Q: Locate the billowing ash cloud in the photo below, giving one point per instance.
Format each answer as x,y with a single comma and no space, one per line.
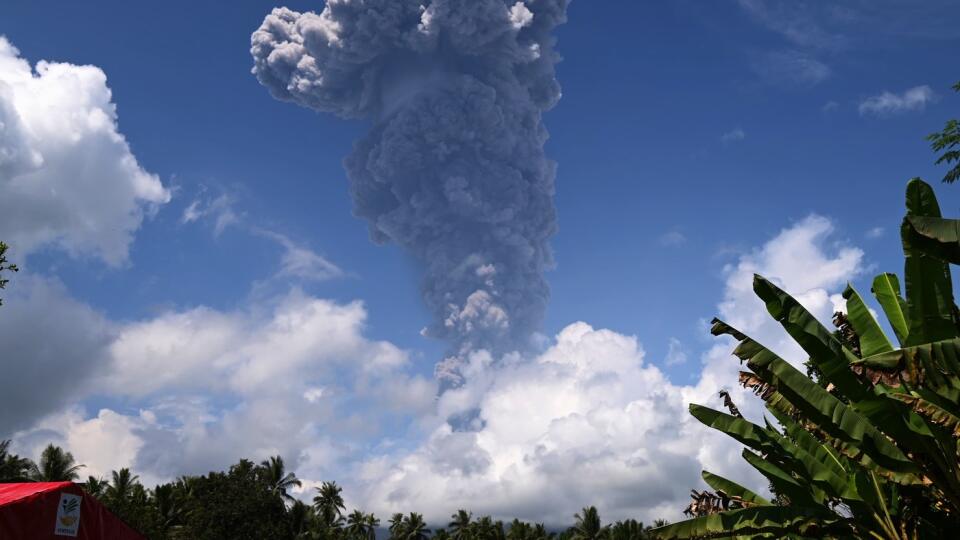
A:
453,168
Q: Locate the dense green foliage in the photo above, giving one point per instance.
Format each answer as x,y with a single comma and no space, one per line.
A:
239,503
868,447
948,142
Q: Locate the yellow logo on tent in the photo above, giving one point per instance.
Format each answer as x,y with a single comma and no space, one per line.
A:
68,515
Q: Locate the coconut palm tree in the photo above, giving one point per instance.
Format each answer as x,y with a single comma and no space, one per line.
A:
414,528
121,486
372,523
357,525
278,478
55,466
13,468
587,526
441,534
540,532
302,518
329,504
483,529
519,530
243,467
95,486
170,508
138,494
460,525
396,526
498,531
630,529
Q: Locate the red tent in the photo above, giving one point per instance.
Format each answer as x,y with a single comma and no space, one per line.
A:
55,510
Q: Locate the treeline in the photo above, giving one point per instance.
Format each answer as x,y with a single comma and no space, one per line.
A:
253,501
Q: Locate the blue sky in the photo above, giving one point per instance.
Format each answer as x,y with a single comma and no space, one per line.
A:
690,135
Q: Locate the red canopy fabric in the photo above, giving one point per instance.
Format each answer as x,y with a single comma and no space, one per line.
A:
57,510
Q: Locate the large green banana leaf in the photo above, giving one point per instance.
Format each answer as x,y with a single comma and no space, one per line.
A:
929,288
872,339
834,361
936,236
830,356
821,407
812,448
784,483
886,289
780,521
733,489
932,412
747,433
933,365
836,484
819,468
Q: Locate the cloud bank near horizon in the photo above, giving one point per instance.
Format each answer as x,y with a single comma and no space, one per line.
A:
590,420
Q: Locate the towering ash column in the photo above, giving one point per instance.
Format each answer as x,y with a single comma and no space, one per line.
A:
453,168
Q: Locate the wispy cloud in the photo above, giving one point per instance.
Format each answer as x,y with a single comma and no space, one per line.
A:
297,261
888,103
791,67
875,232
830,106
844,24
219,209
801,24
673,238
810,33
733,135
301,262
823,31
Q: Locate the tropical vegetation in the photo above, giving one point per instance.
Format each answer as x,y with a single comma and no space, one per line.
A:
948,142
865,444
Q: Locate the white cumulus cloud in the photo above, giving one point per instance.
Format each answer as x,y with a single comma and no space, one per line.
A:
67,175
213,386
588,421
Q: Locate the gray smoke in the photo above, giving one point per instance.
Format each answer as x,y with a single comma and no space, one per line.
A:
453,168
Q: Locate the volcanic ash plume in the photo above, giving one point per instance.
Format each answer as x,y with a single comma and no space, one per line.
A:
453,168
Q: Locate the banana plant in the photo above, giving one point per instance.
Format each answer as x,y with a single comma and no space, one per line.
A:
870,448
